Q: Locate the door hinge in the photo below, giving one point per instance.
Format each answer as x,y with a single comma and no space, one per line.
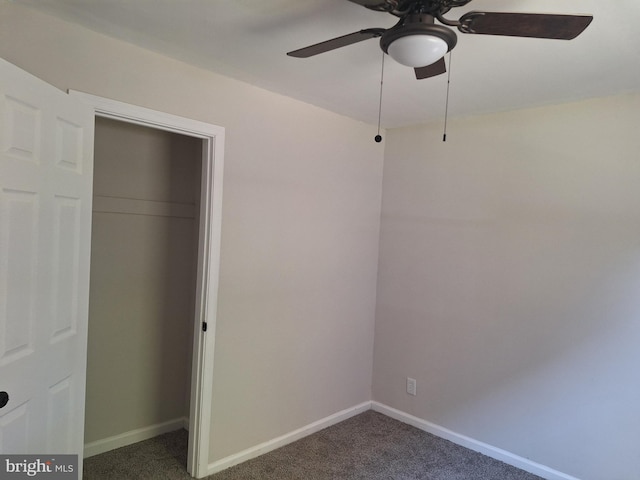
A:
204,326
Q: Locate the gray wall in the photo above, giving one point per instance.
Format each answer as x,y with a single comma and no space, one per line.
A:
508,282
142,278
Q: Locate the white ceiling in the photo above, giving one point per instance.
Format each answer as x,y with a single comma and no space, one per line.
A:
248,39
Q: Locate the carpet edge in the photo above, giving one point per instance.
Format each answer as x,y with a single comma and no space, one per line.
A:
133,436
472,444
287,438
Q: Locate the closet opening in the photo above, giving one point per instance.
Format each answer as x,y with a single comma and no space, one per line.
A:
144,266
204,210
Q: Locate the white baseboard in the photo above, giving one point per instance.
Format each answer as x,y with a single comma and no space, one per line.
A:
286,439
488,450
133,436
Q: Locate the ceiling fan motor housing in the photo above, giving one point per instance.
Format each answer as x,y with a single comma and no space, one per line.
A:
419,26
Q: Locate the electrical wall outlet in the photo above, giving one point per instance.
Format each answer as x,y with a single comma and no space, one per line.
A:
412,386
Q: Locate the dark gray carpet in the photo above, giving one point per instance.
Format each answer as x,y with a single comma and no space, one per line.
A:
163,457
369,446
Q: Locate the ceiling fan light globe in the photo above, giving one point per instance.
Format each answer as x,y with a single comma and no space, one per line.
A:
417,50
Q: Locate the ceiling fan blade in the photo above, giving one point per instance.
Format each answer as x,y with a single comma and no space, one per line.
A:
536,25
432,70
338,42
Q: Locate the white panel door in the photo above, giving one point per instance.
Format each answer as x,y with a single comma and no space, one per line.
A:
46,176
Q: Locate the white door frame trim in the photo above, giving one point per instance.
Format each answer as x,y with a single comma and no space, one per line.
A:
208,258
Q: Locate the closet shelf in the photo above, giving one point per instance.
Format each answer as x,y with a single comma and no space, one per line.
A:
131,206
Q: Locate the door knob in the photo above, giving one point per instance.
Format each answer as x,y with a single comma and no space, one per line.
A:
4,399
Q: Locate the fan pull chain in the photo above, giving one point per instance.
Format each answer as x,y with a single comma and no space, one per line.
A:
446,108
378,138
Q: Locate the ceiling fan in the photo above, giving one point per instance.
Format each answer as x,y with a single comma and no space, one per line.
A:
417,41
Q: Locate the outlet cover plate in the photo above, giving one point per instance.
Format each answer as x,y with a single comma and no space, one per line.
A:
412,386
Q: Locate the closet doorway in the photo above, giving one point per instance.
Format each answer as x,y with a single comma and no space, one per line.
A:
142,291
154,266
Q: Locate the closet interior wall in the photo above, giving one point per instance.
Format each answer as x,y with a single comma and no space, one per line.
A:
144,251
